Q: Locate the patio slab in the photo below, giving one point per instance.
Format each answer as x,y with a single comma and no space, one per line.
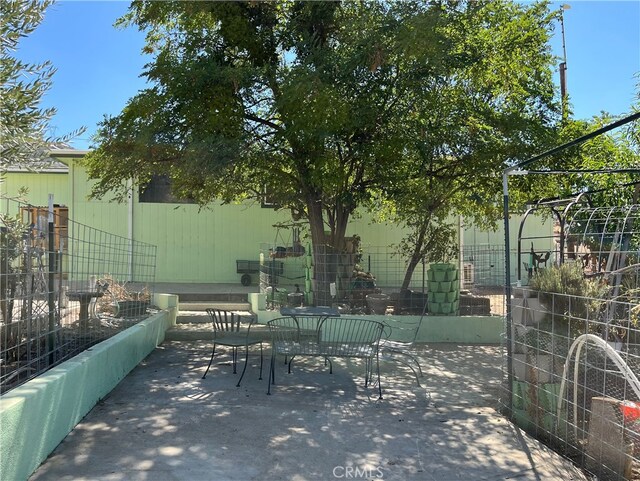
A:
163,422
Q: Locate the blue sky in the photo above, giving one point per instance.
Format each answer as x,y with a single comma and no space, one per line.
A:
99,66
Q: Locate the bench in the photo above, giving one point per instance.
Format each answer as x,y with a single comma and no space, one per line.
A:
328,337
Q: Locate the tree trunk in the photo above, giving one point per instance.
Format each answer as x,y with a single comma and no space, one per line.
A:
416,257
411,267
318,244
325,249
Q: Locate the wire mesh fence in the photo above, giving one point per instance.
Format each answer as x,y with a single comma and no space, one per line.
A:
573,367
64,287
362,279
574,350
483,275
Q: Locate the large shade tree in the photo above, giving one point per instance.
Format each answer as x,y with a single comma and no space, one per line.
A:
320,103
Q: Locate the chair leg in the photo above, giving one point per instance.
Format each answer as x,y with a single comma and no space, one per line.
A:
246,361
213,353
272,377
272,372
379,383
399,356
234,357
367,372
260,378
290,361
415,359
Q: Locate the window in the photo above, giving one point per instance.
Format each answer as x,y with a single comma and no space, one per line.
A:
159,191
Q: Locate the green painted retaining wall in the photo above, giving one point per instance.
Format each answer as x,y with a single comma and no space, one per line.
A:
454,329
36,417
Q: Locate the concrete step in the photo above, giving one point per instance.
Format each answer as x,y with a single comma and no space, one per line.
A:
213,297
192,317
201,317
202,306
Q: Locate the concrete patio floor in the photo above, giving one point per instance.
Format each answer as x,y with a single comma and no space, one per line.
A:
163,422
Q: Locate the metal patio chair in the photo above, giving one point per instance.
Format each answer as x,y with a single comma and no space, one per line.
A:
399,343
229,330
331,337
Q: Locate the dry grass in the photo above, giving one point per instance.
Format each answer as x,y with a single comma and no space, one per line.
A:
118,292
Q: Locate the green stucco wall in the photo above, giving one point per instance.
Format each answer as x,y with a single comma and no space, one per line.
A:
36,416
440,329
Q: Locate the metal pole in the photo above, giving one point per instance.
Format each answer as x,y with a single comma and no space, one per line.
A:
130,224
517,169
563,64
51,285
509,320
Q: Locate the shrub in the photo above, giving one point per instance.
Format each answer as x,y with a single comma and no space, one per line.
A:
565,291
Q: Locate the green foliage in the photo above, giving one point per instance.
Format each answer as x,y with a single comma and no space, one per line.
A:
467,123
578,295
617,149
324,102
11,232
23,139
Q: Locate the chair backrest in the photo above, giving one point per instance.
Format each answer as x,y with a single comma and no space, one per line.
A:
284,329
226,321
345,333
402,329
308,323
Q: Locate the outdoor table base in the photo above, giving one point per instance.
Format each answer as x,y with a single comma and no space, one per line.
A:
84,298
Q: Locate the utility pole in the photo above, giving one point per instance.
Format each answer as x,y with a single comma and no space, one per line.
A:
563,64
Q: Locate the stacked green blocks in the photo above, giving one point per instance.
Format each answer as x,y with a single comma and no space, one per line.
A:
444,289
308,275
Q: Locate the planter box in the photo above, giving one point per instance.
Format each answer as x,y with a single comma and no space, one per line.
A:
377,303
437,276
437,297
451,276
446,308
528,311
132,308
442,272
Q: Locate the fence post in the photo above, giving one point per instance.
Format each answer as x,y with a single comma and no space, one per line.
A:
507,288
51,285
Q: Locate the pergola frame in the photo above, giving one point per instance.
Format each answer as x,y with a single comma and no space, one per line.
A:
519,169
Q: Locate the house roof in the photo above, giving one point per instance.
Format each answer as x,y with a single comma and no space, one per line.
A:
54,164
